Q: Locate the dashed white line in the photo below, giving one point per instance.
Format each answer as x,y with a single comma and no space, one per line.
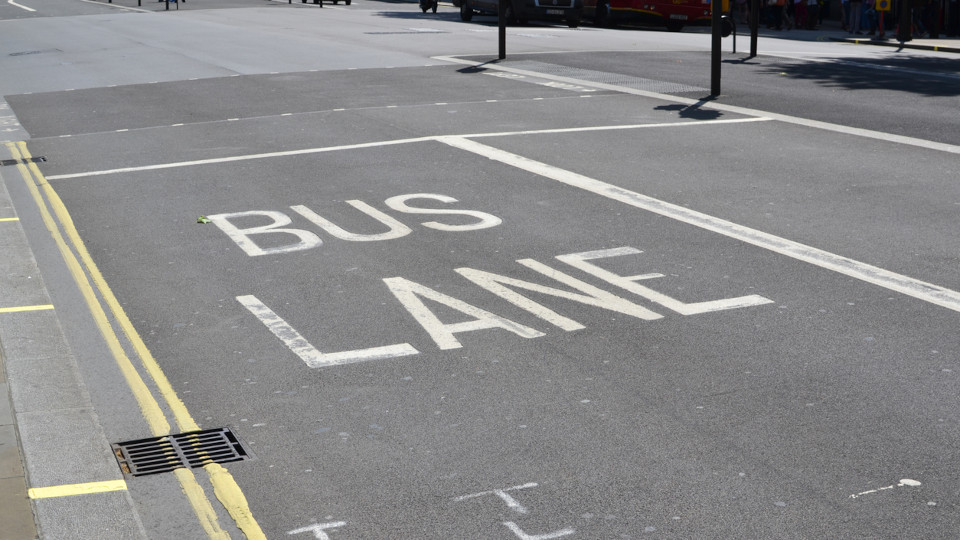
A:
375,144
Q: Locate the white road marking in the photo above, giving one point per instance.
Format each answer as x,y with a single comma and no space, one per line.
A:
310,355
903,482
515,529
927,292
579,260
318,529
590,295
238,158
711,105
14,4
376,144
512,503
409,294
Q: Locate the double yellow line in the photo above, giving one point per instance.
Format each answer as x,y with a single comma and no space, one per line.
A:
84,270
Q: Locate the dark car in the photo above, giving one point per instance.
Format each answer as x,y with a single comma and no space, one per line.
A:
522,11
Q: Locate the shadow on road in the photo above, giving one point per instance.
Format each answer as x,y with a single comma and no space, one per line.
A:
417,15
933,77
692,112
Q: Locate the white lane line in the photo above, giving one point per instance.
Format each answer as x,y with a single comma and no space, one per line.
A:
304,151
239,158
586,129
307,352
712,105
927,292
14,4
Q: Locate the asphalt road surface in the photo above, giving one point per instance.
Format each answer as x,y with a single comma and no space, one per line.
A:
434,295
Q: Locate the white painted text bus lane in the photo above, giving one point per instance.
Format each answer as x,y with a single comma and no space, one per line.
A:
417,298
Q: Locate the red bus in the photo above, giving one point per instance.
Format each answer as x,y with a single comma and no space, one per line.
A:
673,14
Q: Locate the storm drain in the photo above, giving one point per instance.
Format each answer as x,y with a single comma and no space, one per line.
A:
616,79
192,450
8,162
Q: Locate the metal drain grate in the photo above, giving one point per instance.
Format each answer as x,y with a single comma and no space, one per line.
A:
193,449
8,162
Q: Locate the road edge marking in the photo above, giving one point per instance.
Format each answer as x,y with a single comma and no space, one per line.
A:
225,487
149,407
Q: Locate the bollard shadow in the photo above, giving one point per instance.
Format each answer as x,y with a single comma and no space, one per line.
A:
469,70
693,112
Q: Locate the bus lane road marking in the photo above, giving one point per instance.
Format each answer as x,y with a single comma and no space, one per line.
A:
413,296
921,290
410,293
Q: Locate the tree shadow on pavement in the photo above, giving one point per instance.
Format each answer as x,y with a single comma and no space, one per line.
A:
932,77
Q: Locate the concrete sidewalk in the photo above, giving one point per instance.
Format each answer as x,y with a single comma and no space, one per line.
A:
950,45
16,515
831,30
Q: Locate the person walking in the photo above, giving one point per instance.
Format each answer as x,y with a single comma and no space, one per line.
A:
856,6
813,14
800,14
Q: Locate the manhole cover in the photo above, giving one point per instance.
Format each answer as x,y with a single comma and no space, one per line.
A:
193,449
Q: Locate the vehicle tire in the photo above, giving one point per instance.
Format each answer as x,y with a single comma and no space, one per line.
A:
466,12
674,26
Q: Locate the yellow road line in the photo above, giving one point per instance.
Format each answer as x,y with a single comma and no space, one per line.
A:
9,219
25,308
224,486
76,489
